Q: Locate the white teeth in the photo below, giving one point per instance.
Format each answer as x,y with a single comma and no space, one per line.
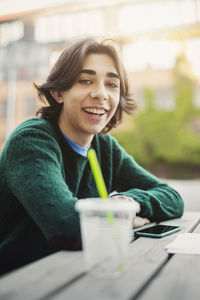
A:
95,111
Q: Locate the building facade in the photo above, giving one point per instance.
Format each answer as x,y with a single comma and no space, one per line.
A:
150,33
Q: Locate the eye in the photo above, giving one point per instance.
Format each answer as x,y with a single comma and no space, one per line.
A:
113,85
85,81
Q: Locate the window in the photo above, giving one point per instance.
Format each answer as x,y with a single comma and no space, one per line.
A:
11,31
146,16
62,27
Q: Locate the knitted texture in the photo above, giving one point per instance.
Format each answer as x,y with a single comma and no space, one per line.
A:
42,177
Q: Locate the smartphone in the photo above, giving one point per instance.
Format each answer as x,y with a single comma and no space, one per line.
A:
157,231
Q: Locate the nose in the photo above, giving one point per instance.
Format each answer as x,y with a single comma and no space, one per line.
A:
99,93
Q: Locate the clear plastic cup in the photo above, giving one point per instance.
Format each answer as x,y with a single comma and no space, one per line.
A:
106,229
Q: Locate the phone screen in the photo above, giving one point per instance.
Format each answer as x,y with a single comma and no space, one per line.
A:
158,230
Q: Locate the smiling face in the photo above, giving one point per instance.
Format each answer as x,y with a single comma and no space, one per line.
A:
92,100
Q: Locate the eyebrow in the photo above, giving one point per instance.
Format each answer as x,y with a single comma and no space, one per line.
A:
92,72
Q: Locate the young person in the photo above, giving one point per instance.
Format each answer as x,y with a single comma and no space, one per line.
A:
44,168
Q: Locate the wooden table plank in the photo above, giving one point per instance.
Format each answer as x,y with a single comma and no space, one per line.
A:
178,280
147,256
62,275
43,277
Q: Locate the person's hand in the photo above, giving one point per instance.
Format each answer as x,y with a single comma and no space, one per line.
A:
122,197
138,221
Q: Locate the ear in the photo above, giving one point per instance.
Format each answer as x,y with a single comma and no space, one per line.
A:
57,95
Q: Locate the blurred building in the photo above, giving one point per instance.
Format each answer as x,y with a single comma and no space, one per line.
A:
150,32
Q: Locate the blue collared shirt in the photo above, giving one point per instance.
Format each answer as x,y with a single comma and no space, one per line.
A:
80,150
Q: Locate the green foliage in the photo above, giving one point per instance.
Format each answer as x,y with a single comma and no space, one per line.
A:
165,138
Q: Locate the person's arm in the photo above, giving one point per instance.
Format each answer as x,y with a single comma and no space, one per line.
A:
157,200
137,221
35,176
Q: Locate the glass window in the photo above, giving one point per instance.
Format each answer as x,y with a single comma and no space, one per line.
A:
62,27
11,31
150,15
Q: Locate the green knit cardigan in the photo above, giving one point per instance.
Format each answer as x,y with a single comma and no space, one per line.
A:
42,177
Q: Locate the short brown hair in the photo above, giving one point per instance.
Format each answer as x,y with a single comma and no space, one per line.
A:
65,72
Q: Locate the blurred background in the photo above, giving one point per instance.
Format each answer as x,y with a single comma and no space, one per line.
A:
160,44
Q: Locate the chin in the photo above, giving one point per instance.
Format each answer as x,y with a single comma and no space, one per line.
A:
97,130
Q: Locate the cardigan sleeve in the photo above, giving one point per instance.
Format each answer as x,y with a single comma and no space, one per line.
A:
158,201
35,176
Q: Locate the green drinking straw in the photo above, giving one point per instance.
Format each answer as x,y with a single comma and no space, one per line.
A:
101,187
96,171
98,177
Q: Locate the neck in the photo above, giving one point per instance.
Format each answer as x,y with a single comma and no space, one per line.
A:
81,140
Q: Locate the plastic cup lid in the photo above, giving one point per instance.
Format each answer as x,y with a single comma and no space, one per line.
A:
93,204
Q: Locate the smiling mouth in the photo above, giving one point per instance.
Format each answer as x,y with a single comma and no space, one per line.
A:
95,111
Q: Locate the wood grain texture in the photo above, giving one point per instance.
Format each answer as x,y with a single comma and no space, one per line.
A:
43,277
147,256
62,275
179,279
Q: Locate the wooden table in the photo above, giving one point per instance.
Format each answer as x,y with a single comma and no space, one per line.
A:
152,274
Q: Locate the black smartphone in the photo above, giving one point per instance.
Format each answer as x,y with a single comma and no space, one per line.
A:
157,231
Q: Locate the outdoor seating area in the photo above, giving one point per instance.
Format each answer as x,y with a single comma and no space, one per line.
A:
100,150
152,273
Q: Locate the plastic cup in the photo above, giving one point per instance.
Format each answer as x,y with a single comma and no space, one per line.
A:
106,229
